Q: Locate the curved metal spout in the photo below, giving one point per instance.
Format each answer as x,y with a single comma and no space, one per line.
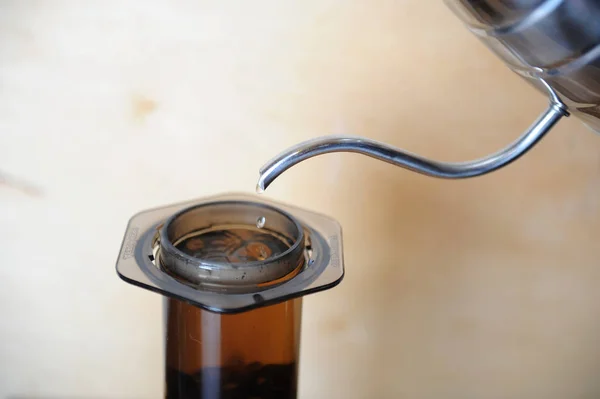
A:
395,156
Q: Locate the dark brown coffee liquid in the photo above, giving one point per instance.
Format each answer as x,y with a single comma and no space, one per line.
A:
247,355
251,355
236,245
253,381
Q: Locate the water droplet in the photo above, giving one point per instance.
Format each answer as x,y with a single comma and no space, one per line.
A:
260,222
259,188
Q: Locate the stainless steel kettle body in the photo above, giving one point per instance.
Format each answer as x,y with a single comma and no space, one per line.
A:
553,44
554,40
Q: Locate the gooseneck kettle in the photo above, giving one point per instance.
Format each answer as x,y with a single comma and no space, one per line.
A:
553,44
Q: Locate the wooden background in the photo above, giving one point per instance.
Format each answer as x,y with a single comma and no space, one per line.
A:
485,288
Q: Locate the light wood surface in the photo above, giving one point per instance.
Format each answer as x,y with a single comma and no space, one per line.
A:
486,288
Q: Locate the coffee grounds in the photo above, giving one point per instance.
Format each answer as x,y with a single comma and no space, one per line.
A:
253,381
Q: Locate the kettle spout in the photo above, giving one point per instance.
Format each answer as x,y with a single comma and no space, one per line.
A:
395,156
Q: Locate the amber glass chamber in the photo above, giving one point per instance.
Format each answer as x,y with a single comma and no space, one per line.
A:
249,355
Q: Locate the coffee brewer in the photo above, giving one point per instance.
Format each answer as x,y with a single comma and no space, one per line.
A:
233,270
